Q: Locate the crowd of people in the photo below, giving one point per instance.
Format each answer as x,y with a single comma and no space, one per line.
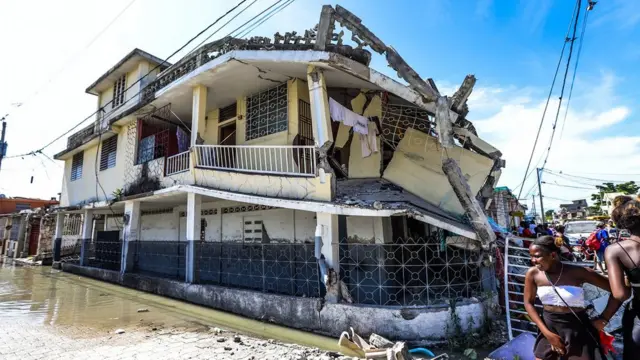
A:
566,331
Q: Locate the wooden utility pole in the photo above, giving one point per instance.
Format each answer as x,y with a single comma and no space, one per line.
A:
538,170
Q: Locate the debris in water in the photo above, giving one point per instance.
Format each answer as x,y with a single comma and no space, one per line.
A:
217,330
237,339
228,348
143,310
222,339
119,331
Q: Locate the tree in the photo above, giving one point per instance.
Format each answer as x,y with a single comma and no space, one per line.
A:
548,214
627,188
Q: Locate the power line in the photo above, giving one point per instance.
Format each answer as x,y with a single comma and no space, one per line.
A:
70,59
589,178
130,86
575,68
265,18
535,143
570,186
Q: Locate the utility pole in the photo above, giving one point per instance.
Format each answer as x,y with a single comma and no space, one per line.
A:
540,193
3,145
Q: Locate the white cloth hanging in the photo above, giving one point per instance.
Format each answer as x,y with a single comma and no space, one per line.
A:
341,114
369,142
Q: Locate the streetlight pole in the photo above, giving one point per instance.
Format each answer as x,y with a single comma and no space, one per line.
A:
540,193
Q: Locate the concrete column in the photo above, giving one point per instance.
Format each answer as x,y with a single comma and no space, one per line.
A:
194,214
85,236
57,242
328,223
320,118
131,234
198,114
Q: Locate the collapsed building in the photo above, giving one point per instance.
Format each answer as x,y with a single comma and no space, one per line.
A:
284,179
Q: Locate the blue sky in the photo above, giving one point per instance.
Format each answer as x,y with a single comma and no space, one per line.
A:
511,46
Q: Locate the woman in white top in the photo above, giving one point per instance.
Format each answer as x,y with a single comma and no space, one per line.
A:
565,329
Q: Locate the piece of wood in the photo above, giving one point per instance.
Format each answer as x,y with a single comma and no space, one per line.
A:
469,203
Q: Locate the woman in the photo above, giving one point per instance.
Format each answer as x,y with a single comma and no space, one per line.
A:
622,259
565,329
562,242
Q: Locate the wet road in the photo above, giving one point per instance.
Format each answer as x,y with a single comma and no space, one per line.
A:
48,314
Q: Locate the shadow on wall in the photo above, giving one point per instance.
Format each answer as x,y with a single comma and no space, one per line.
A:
143,183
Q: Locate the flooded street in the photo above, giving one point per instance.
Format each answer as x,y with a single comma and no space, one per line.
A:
48,314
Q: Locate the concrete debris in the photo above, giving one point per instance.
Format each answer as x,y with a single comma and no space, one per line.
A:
237,339
377,348
143,310
119,331
221,339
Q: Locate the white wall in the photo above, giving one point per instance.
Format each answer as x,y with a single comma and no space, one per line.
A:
365,229
282,225
84,189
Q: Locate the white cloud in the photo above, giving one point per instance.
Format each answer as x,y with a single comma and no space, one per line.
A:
512,120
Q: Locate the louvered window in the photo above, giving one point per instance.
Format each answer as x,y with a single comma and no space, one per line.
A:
76,166
108,153
119,90
228,112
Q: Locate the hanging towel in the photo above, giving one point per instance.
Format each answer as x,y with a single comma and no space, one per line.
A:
341,114
183,140
369,142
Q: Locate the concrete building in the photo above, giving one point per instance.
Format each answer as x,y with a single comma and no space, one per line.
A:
607,202
280,179
578,209
505,208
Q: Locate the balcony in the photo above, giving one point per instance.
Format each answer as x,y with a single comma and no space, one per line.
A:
178,163
81,136
272,160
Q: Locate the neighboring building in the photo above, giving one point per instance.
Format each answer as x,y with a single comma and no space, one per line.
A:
228,171
505,208
16,204
578,209
607,202
29,233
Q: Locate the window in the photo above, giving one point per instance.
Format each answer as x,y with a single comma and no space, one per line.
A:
252,228
108,153
154,141
228,112
119,90
267,112
76,166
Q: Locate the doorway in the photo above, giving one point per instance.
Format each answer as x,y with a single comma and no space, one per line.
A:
226,157
34,234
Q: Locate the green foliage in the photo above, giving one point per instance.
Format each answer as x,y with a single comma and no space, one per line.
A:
627,188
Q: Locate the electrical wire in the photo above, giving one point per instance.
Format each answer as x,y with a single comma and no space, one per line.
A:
569,186
575,68
70,59
265,18
130,86
564,45
594,179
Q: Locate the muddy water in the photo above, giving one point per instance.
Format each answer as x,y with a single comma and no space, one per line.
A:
47,297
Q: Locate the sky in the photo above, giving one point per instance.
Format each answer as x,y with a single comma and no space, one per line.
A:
48,58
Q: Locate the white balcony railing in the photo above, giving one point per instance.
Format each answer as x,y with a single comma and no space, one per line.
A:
178,163
279,160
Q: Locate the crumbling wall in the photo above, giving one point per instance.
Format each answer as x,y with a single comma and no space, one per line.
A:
47,232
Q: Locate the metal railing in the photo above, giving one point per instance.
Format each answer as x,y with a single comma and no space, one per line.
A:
419,273
159,258
177,163
275,159
289,269
103,254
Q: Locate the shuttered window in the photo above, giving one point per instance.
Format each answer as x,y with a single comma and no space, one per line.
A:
228,112
119,90
76,166
108,153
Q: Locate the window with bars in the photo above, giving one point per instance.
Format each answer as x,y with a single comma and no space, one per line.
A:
76,166
267,112
228,112
108,153
118,91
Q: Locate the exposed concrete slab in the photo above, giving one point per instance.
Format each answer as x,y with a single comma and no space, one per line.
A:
310,314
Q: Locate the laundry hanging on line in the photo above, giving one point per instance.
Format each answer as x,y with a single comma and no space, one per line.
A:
183,140
341,114
369,142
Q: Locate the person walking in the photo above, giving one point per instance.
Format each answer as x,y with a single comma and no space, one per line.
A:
566,332
602,235
623,263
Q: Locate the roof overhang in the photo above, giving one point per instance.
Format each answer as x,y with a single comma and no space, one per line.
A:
89,142
127,64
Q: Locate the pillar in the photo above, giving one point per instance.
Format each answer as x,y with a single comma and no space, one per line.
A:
57,242
198,114
131,234
320,117
194,213
85,236
328,223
